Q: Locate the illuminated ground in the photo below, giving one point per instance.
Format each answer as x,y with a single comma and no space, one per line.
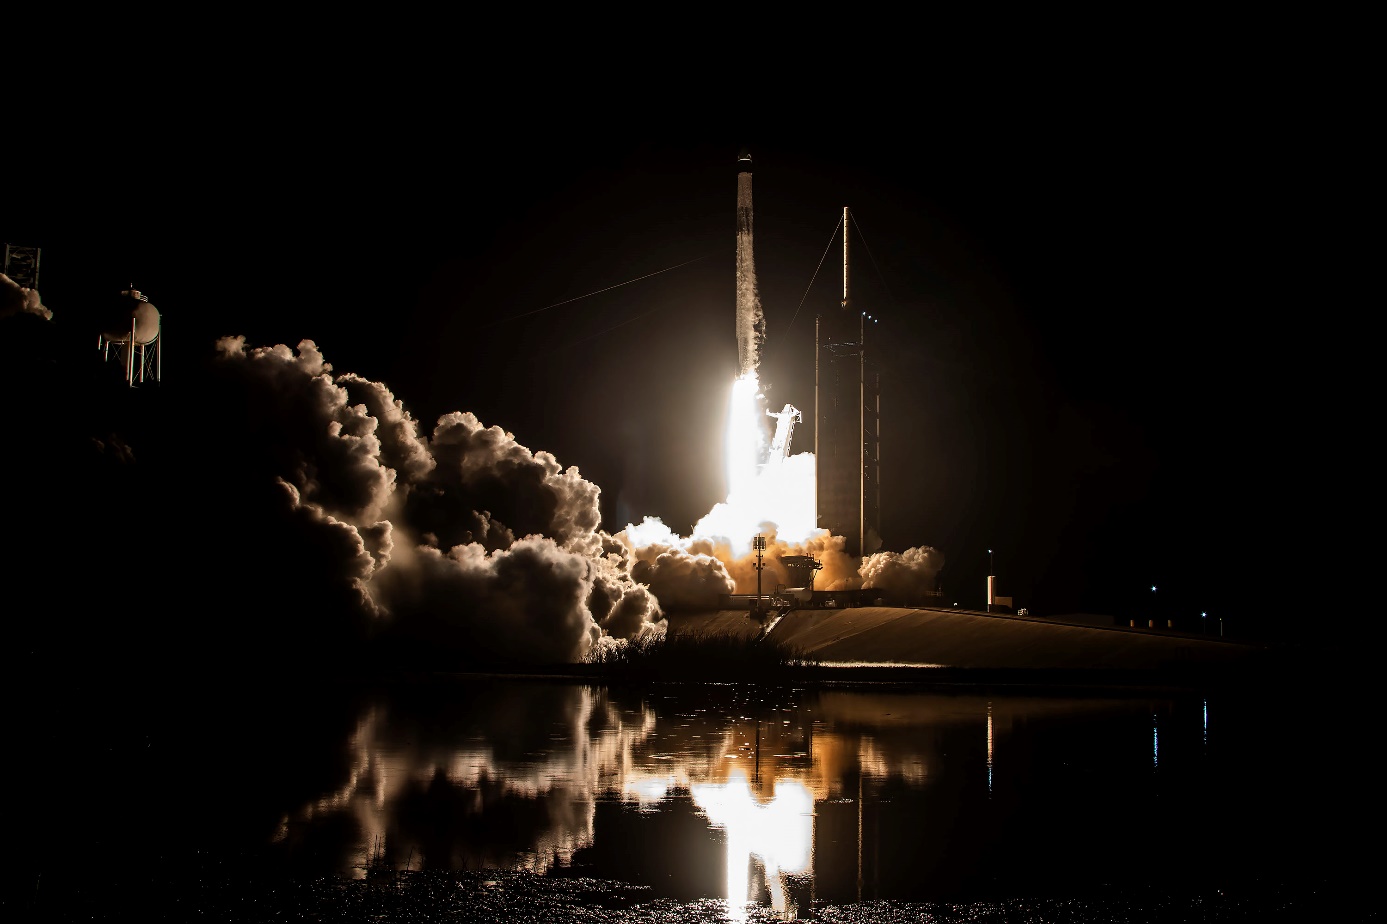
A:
964,639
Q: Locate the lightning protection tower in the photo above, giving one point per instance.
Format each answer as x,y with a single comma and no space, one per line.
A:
847,423
22,265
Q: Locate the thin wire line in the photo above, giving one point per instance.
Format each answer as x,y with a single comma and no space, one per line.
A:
892,295
605,330
831,238
566,301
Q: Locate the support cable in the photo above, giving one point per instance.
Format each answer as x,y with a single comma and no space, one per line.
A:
605,330
526,314
877,266
831,238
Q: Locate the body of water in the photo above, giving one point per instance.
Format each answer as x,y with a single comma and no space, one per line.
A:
707,802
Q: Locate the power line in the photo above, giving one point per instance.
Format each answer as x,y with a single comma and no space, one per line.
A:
876,265
526,314
604,330
831,238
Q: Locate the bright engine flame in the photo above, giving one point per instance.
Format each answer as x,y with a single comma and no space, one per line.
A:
762,497
766,497
745,438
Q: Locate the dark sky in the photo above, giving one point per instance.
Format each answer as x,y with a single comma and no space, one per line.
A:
1080,364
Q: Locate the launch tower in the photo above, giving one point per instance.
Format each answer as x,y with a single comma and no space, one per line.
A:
847,424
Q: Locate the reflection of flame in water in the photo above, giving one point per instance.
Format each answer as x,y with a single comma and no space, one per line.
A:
518,772
989,747
874,762
779,833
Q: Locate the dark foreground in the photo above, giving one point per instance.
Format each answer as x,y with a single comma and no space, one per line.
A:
155,798
491,896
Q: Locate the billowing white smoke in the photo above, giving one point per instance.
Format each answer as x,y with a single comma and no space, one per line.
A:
17,299
680,577
903,577
463,539
774,499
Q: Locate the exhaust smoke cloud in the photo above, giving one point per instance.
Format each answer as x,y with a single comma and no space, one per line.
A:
17,299
472,535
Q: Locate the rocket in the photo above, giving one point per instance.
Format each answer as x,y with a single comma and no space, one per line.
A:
751,322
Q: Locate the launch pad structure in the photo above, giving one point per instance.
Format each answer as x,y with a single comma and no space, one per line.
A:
847,393
847,423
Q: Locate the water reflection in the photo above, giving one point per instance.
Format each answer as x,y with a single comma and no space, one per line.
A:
746,795
508,780
778,833
1155,743
989,748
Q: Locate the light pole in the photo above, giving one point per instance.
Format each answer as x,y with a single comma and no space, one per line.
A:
991,581
1204,623
759,544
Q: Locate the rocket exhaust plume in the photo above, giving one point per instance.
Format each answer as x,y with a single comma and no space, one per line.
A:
751,322
744,437
768,494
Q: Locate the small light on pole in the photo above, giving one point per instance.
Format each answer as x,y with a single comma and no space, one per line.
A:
1204,623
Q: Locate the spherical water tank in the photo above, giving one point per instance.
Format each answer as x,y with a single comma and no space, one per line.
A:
117,315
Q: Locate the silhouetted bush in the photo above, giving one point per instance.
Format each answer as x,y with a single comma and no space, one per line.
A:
699,657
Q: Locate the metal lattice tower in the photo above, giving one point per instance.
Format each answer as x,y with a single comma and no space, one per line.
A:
847,424
22,265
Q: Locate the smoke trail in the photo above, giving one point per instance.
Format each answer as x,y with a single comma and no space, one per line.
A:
751,322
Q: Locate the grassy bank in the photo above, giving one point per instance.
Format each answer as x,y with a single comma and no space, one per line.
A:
700,657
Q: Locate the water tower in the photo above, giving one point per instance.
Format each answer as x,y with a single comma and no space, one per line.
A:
131,336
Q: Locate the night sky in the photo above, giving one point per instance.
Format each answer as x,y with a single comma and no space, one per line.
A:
1092,362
